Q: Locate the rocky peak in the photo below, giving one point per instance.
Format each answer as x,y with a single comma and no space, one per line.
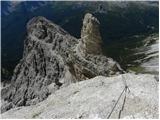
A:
90,35
53,58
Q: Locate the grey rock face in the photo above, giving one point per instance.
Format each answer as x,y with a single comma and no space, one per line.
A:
126,96
90,35
52,58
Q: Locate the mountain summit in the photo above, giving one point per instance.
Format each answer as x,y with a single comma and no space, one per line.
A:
52,59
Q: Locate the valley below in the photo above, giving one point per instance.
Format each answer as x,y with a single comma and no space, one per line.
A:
138,53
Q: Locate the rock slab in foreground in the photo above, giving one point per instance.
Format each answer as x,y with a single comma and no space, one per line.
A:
99,97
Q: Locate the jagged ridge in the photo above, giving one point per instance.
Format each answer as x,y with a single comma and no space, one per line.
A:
52,58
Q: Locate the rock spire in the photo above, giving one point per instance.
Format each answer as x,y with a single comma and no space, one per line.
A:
90,35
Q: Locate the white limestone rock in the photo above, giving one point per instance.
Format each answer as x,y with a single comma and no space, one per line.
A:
122,96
